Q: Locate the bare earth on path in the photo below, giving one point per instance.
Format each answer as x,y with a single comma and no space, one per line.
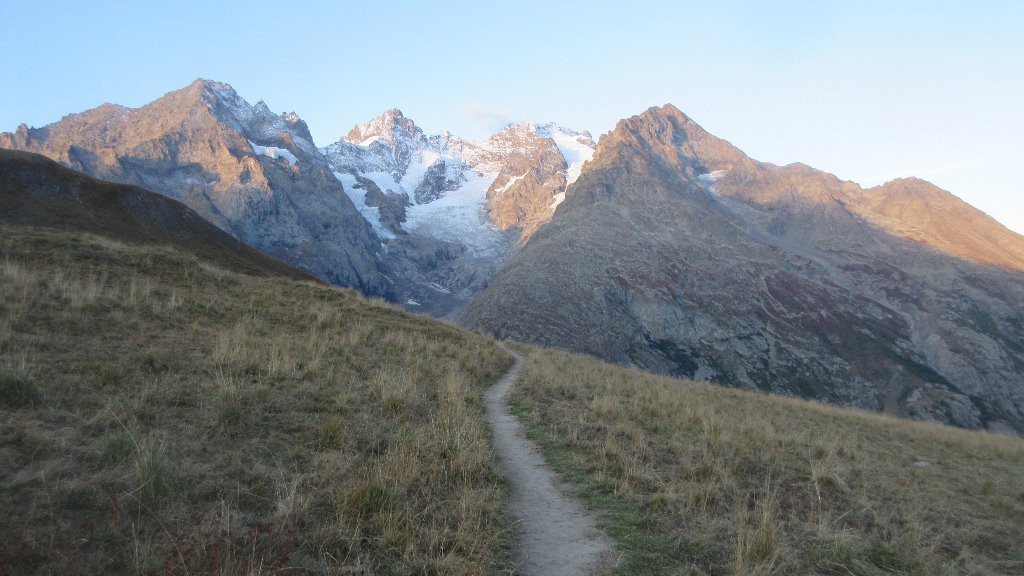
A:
555,534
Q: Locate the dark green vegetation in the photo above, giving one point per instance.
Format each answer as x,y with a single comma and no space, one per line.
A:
162,414
697,479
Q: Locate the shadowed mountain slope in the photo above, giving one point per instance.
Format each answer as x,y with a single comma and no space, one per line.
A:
36,191
677,253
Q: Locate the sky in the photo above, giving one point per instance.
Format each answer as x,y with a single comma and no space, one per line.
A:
867,90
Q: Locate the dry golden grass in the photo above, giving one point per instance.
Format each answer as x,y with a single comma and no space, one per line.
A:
697,479
161,415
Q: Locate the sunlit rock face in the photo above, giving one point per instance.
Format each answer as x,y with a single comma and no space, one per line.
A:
254,174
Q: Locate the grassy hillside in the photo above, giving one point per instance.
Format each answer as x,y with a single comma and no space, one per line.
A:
36,191
696,479
207,409
160,414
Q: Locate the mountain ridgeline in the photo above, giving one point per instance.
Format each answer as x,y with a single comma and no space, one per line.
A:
677,253
386,210
252,173
660,246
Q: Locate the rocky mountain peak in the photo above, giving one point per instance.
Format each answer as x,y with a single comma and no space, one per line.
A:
205,97
249,171
551,129
919,210
512,135
917,187
213,93
910,194
516,136
666,133
677,253
296,126
257,123
392,127
207,84
658,126
389,143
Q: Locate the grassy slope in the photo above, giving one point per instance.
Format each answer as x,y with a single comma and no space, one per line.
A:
160,414
696,479
36,191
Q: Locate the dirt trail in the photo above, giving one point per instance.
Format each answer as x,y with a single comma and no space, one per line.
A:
556,535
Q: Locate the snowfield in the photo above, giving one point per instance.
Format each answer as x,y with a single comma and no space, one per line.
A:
274,152
460,216
358,197
576,152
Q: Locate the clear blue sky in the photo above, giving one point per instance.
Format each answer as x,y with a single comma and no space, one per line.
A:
866,90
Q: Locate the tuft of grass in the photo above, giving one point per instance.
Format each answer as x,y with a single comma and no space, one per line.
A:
117,447
332,435
155,482
757,543
698,479
196,420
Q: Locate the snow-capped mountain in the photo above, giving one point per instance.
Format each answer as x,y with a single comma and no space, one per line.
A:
666,248
536,164
394,153
477,200
421,220
439,188
454,189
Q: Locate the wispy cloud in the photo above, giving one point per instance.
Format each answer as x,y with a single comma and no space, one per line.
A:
488,118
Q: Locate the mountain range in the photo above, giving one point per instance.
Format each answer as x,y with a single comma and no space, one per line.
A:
660,246
677,253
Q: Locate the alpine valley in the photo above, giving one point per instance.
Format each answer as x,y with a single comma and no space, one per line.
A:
660,247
